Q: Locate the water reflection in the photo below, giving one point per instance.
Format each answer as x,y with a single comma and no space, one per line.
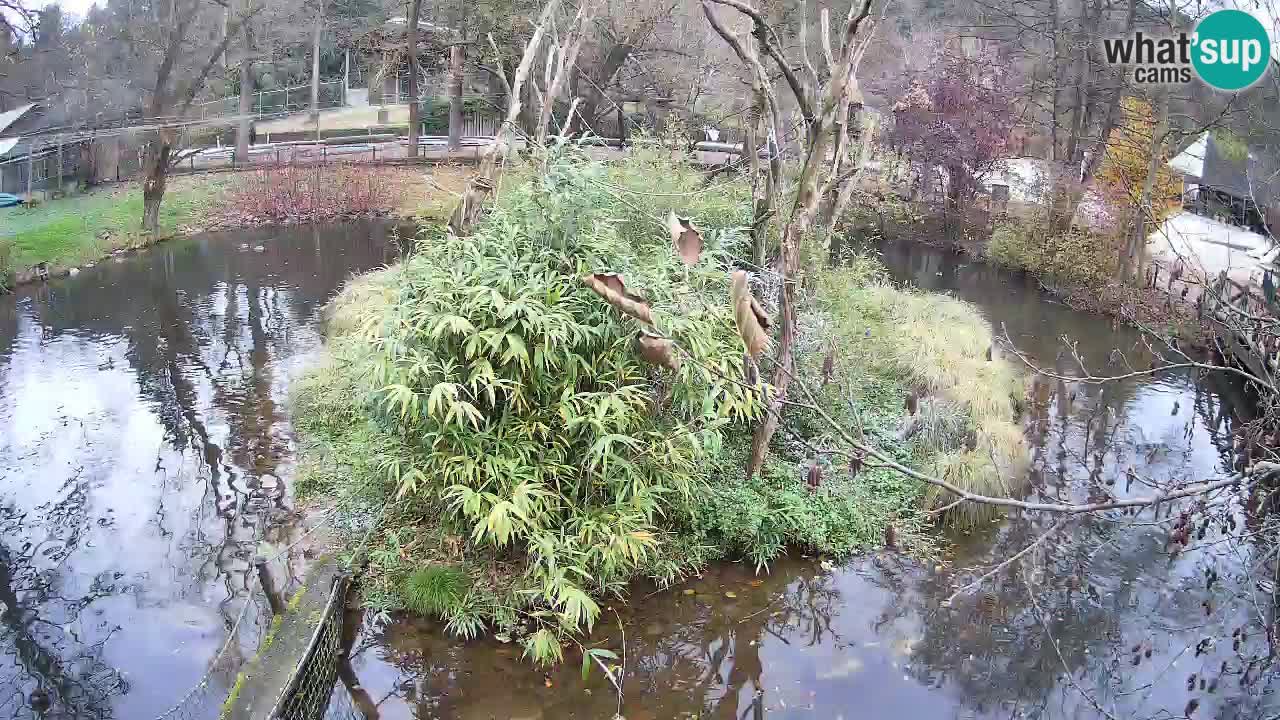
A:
1100,620
144,451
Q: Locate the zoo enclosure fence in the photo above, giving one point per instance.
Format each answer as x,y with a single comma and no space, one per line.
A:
313,691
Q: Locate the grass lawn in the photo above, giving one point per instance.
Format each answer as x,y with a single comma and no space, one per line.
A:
74,230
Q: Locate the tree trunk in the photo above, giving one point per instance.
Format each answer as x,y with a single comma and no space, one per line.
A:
1063,202
481,187
246,100
528,118
1138,237
31,171
389,83
758,234
566,59
155,179
415,6
802,214
457,57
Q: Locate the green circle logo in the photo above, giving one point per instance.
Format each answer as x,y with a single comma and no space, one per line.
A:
1232,50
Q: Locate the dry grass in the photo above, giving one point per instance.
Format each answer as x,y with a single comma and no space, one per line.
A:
433,194
368,293
937,346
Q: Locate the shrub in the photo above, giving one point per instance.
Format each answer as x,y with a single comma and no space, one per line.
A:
6,265
1079,257
293,194
505,405
530,420
435,113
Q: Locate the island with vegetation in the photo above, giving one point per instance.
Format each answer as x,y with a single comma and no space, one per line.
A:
539,442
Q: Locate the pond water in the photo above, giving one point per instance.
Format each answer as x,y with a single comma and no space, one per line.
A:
145,447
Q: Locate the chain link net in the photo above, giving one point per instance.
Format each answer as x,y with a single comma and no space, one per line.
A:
314,693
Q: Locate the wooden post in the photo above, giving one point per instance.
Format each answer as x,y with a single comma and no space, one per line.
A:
60,168
31,170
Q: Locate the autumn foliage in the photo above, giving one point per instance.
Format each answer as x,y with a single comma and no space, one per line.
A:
1128,159
957,116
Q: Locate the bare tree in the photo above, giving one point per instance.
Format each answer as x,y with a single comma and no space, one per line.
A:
246,98
482,186
820,109
182,24
561,61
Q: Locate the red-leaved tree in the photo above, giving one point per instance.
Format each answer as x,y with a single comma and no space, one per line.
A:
956,118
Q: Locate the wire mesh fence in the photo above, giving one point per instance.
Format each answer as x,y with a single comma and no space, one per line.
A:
313,692
281,100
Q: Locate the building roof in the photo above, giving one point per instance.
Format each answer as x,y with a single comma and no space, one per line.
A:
1242,171
10,117
7,120
1190,162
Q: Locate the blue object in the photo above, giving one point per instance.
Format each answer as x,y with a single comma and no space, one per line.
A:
7,200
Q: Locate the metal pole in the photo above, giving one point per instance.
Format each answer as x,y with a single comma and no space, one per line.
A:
60,167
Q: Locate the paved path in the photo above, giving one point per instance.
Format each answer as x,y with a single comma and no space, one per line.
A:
1211,247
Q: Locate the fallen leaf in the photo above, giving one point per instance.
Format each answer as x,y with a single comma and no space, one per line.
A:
657,350
730,594
756,583
546,681
686,238
610,287
749,320
688,591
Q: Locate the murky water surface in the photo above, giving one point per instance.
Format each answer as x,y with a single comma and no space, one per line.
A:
145,446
